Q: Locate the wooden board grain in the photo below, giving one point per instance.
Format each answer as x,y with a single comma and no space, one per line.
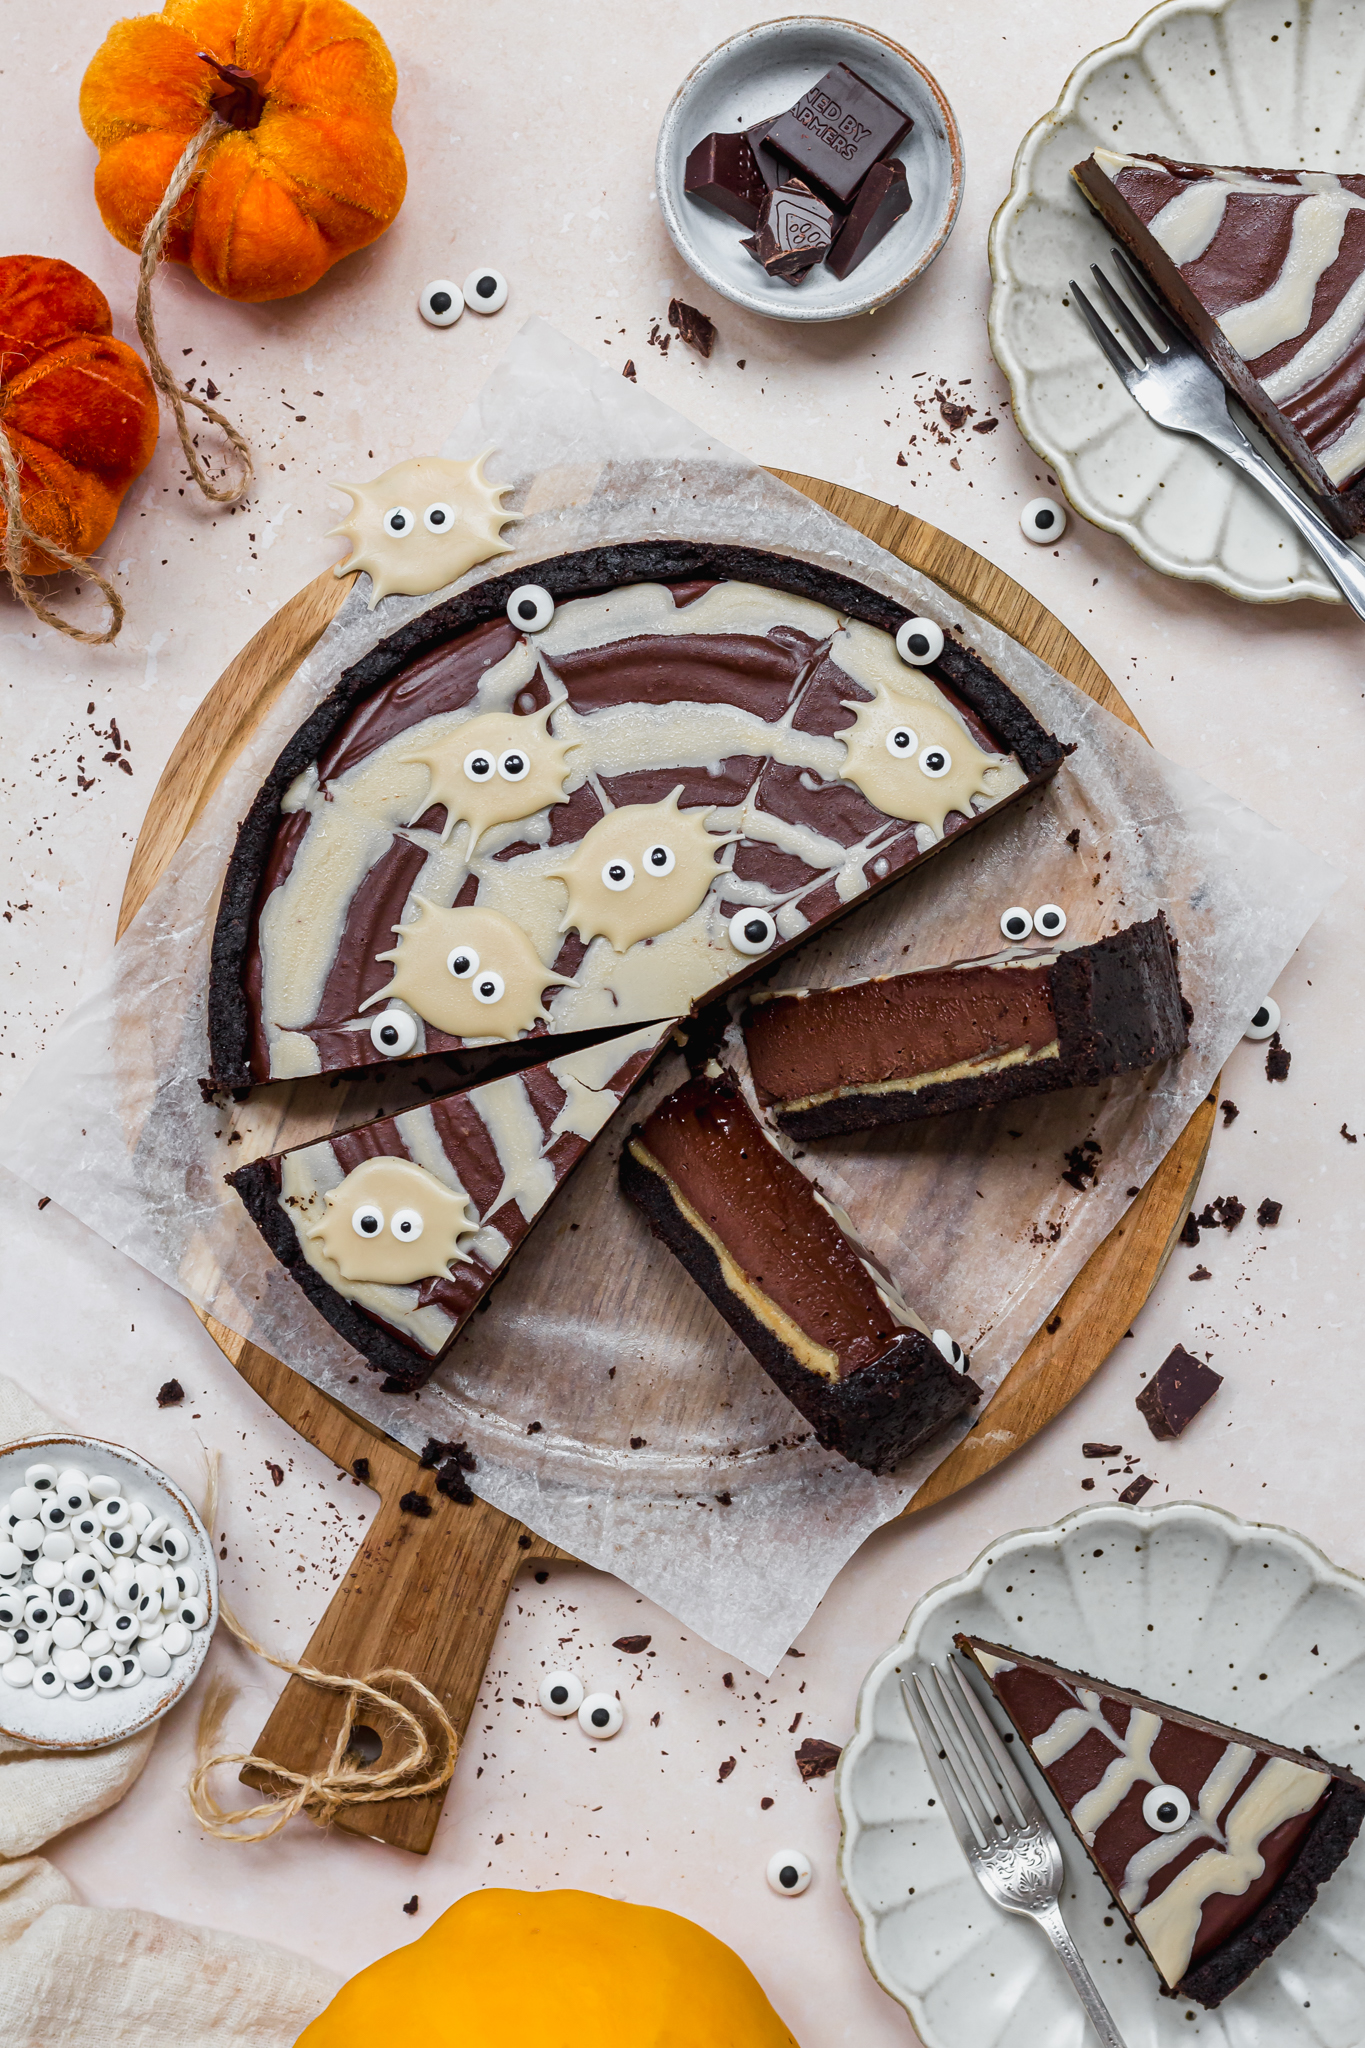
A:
427,1594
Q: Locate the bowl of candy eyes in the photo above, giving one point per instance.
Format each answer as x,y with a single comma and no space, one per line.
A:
809,169
108,1592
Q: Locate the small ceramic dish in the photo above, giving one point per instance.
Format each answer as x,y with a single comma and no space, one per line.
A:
68,1722
761,72
1246,1623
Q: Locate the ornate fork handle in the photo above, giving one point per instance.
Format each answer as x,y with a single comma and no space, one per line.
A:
1048,1915
1343,562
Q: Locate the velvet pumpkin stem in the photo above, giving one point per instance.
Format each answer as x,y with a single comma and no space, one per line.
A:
17,531
243,104
175,394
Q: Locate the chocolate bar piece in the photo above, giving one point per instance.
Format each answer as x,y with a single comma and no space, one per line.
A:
837,131
1176,1392
783,1267
981,1032
769,169
743,692
795,230
397,1230
883,199
722,171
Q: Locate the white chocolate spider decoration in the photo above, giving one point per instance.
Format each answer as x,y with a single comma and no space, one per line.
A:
422,524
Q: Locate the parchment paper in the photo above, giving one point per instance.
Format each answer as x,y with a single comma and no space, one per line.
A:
664,1453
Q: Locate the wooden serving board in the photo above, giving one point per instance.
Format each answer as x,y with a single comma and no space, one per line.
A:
427,1595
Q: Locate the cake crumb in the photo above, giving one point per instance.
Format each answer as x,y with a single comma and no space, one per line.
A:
1190,1233
1351,1137
1277,1060
411,1905
1081,1169
414,1503
1230,1111
1201,1273
1268,1215
170,1394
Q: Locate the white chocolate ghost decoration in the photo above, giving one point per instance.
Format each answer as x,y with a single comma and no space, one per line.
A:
470,972
393,1223
913,759
640,871
422,524
492,770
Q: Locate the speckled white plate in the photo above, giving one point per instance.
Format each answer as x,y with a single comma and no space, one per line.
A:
1245,1623
1273,82
68,1722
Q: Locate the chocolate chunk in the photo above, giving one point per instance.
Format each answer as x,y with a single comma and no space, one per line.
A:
1133,1493
415,1504
795,230
1230,1111
1223,1211
1190,1231
883,198
411,1905
836,132
693,326
769,169
169,1394
1176,1392
765,1804
1276,1060
816,1758
1100,1450
722,170
725,1770
632,1646
1268,1215
629,370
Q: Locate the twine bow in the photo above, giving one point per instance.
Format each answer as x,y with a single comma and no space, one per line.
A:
18,531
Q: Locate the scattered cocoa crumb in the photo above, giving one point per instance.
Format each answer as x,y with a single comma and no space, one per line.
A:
1073,837
795,1724
637,1443
654,1720
43,1201
534,1428
1224,1210
725,1770
632,1646
901,462
1268,1215
1351,1137
1081,1169
986,426
1276,1060
276,1471
170,1393
1201,1273
451,1482
361,1468
541,1577
816,1758
1087,1486
724,1499
411,1905
1130,1193
1189,1234
693,326
740,363
765,1804
629,370
1093,1450
523,1541
418,1504
1133,1492
1054,1326
1230,1111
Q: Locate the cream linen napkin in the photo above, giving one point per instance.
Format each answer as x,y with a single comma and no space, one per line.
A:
85,1977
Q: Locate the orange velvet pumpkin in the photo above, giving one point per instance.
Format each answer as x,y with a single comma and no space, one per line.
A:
77,405
308,167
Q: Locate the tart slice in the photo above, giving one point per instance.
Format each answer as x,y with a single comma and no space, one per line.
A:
1213,1843
1267,271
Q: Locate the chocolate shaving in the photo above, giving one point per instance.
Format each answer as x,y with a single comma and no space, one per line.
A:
816,1758
725,1770
169,1394
632,1646
276,1471
629,370
1133,1493
693,326
1351,1137
1101,1450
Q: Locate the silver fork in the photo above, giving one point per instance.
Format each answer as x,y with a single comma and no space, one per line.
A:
1175,387
1012,1851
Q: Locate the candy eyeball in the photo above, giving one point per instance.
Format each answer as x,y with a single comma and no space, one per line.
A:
176,1545
47,1679
935,762
1049,920
531,608
29,1537
617,875
67,1598
107,1672
194,1613
514,766
485,291
489,987
393,1032
480,765
901,742
54,1514
114,1513
440,303
919,641
1166,1809
122,1542
18,1671
951,1350
1265,1019
367,1220
561,1694
438,518
462,962
752,931
86,1527
406,1225
1043,519
600,1716
43,1478
102,1487
398,522
11,1610
11,1563
1016,922
659,859
155,1660
25,1504
175,1637
789,1872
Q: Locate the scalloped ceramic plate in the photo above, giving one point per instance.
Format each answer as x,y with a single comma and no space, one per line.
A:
1274,82
1185,1603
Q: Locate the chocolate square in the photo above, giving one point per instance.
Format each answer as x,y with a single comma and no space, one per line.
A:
1176,1392
795,229
883,199
722,171
836,132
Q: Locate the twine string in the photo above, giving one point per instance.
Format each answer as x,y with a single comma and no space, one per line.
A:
175,394
18,531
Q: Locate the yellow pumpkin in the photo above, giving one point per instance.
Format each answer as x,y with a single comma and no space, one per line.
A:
307,167
505,1969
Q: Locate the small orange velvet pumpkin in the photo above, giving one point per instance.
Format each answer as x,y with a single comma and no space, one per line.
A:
78,407
308,167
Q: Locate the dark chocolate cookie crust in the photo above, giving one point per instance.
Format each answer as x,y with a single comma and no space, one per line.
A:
1039,753
259,1187
876,1416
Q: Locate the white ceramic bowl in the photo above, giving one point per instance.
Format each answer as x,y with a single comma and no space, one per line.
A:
1204,81
759,73
70,1723
1245,1623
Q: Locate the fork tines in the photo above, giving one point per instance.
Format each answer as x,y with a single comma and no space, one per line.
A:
983,1794
1163,340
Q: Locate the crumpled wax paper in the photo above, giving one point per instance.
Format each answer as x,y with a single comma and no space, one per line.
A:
664,1453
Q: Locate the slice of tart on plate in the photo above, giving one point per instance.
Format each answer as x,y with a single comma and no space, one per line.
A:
1266,269
1212,1842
